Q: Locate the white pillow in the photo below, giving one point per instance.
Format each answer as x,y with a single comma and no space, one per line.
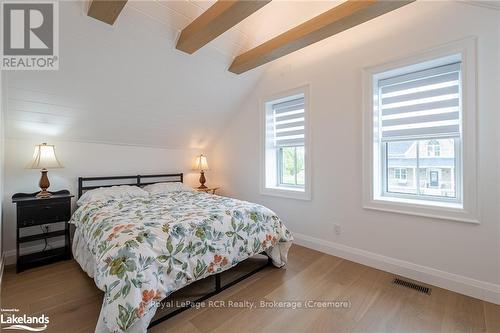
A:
161,188
114,192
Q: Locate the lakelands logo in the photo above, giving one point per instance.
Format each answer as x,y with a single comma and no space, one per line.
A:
30,35
15,321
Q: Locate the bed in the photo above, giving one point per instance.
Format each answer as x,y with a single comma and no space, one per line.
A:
139,250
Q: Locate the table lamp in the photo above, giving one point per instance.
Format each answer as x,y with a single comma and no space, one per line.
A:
201,165
44,158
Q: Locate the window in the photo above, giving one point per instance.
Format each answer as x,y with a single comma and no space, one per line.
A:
401,175
418,113
285,157
419,144
433,148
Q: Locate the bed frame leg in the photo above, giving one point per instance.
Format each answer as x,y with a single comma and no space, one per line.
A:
217,282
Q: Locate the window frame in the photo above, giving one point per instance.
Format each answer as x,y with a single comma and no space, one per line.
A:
373,198
285,190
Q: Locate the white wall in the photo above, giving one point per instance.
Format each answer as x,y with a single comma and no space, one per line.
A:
459,256
83,159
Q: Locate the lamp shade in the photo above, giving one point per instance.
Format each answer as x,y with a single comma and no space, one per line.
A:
44,157
201,163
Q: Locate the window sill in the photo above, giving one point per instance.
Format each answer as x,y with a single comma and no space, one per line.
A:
432,209
287,192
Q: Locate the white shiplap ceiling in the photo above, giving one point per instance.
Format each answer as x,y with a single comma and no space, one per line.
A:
127,84
271,20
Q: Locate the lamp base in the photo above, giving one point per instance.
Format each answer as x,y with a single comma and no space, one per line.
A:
44,185
202,180
44,194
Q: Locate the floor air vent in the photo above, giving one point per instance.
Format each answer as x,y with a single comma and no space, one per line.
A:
412,285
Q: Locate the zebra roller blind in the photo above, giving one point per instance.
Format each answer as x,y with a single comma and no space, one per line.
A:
288,123
424,103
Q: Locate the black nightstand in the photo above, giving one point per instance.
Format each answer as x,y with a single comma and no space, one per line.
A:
33,211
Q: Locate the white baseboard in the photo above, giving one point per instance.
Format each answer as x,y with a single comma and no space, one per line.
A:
10,257
486,291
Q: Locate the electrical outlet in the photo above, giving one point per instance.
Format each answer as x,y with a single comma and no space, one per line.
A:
337,228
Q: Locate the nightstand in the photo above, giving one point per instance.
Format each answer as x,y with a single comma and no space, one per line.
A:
210,189
33,211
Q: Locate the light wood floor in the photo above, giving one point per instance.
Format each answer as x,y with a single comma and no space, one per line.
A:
65,293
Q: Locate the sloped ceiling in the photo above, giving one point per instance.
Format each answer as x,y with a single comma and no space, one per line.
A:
127,84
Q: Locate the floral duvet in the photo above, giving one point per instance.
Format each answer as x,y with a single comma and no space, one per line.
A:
145,248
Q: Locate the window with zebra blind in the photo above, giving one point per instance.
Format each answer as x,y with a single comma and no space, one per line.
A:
419,128
285,148
420,135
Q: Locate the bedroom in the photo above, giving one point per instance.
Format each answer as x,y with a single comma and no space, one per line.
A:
361,136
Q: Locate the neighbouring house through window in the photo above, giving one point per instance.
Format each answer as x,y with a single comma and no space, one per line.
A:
411,170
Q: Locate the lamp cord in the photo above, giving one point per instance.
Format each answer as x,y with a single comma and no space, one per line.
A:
45,231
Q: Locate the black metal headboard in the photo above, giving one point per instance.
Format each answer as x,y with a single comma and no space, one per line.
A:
136,180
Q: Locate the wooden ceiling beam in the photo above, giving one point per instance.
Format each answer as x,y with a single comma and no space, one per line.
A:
220,17
340,18
106,11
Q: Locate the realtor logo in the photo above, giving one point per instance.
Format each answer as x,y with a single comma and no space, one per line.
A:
30,35
11,319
